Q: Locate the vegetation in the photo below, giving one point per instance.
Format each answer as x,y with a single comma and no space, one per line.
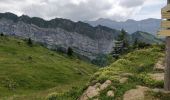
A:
30,43
103,60
139,63
121,45
70,51
33,73
1,34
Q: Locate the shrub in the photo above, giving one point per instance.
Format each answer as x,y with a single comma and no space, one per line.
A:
1,34
29,42
70,51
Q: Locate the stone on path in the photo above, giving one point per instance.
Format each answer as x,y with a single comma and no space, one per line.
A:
93,91
160,65
110,93
136,94
157,76
123,80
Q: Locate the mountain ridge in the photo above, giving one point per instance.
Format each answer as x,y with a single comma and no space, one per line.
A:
149,25
57,33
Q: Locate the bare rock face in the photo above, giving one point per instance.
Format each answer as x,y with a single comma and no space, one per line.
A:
58,37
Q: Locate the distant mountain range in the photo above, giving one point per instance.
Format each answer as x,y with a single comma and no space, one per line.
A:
60,33
148,25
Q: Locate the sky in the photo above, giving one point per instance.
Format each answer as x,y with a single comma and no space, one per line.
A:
81,10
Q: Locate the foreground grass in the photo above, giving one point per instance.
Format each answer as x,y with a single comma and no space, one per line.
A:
138,63
32,72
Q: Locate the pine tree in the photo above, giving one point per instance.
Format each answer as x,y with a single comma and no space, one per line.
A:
70,51
30,43
135,44
121,45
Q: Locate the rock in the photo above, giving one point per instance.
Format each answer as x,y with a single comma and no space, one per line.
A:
93,91
135,94
160,65
123,80
90,93
97,85
157,90
157,76
105,85
126,75
110,93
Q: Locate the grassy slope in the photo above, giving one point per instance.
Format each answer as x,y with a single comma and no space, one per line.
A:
145,37
35,71
140,63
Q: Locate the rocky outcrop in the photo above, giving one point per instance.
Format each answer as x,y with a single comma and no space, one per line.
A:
94,91
54,38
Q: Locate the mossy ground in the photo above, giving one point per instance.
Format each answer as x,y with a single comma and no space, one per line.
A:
32,72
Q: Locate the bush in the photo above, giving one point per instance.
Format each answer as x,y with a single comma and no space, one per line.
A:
29,42
70,51
1,34
103,60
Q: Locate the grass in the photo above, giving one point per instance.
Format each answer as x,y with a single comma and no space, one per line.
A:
139,63
33,72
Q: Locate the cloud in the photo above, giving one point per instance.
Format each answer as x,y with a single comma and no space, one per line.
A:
131,3
80,9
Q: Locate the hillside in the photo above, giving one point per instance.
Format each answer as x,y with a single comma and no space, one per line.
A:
31,72
145,37
135,76
148,25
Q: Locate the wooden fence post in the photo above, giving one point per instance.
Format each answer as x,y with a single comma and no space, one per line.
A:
167,67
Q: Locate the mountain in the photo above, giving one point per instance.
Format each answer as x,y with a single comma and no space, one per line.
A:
145,37
31,72
61,33
148,25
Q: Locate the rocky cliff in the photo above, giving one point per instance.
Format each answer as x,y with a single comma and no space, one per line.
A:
61,33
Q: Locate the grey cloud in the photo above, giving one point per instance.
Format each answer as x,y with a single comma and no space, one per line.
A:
83,10
131,3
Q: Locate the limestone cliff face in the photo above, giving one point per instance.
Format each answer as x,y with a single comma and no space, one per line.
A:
58,37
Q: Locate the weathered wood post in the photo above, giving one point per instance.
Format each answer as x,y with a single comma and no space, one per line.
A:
165,31
167,67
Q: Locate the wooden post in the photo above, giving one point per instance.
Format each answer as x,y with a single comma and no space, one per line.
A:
167,67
